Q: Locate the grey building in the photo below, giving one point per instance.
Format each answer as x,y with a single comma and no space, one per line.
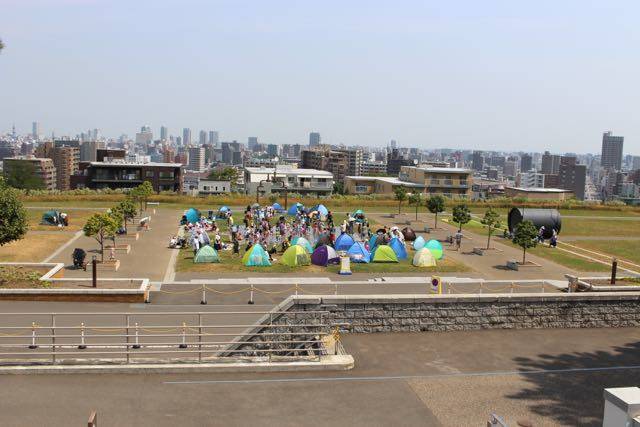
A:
573,177
202,139
252,141
550,163
314,139
164,133
477,161
186,136
526,162
213,138
611,151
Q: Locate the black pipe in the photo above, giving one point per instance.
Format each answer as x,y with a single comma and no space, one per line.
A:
549,218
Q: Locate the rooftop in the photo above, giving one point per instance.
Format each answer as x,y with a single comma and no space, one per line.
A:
540,190
389,179
289,171
115,163
444,170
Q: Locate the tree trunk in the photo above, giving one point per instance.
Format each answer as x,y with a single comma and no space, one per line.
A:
417,212
399,203
488,238
524,254
102,250
436,224
459,227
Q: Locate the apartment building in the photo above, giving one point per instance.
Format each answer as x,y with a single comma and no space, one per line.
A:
339,162
123,174
293,180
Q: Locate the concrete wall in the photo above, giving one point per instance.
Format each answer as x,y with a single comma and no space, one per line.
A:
414,313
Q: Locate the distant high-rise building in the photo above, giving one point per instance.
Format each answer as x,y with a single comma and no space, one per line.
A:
35,130
66,159
186,136
550,163
526,162
145,136
635,163
314,139
477,161
202,139
164,134
573,177
213,138
196,159
611,151
272,150
89,150
252,141
395,161
393,144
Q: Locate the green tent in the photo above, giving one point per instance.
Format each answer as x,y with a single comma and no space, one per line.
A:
50,218
384,253
296,256
256,256
206,254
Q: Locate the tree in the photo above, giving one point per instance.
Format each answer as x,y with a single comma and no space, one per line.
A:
415,200
461,215
22,175
127,211
227,174
400,194
13,216
146,190
101,226
435,204
338,187
492,220
525,236
273,198
1,45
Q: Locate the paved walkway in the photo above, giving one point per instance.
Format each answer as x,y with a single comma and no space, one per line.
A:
149,254
551,377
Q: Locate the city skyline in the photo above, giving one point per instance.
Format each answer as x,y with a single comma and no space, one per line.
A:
490,76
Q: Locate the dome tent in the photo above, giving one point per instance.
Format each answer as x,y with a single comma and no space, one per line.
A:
358,253
399,248
206,254
424,258
51,218
193,215
295,208
419,243
277,207
409,234
256,256
384,253
344,242
436,248
324,255
321,209
302,242
296,256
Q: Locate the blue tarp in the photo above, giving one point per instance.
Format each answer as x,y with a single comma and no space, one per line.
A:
192,215
344,242
358,253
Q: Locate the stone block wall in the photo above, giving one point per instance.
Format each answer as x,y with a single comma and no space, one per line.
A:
415,313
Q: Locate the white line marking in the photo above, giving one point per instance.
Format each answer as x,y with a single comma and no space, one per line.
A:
407,377
63,247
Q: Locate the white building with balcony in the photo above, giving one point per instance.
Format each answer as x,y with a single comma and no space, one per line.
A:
292,180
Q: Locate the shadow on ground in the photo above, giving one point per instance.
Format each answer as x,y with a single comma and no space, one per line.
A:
572,393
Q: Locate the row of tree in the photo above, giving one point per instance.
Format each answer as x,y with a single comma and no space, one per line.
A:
525,234
104,226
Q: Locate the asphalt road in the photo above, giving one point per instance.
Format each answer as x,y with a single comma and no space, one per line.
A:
552,377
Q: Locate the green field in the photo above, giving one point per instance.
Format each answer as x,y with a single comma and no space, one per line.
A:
231,264
561,257
624,249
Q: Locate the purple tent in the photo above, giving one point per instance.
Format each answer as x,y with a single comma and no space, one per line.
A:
324,255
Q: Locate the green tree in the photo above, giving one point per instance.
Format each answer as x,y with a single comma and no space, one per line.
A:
400,194
13,216
227,174
1,45
146,190
415,199
525,236
127,211
22,175
101,226
435,204
461,215
491,219
273,198
338,187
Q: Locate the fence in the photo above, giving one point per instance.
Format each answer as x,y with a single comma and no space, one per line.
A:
205,292
54,338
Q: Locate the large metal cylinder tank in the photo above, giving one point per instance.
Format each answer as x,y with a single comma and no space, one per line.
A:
549,218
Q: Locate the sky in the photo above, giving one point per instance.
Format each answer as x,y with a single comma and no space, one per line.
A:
492,75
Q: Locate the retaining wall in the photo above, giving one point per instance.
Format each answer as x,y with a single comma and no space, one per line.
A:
414,313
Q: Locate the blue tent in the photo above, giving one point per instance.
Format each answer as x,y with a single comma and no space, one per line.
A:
277,207
192,215
399,248
224,209
358,253
322,209
293,210
419,243
372,241
344,242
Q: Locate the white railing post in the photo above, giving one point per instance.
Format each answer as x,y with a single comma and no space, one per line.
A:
335,289
82,345
203,300
250,296
136,344
184,336
33,336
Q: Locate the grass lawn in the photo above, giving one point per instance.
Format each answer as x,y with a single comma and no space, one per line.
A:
599,227
77,219
34,247
561,257
624,249
231,264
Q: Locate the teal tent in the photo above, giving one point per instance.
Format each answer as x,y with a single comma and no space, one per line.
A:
192,215
256,256
206,254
